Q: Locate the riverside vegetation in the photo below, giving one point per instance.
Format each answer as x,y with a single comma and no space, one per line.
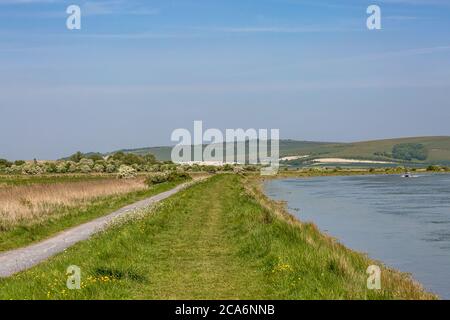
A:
219,239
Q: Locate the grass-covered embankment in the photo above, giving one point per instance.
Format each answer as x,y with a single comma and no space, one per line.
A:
65,216
220,239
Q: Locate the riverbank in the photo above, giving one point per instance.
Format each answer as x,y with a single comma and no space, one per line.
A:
220,239
401,222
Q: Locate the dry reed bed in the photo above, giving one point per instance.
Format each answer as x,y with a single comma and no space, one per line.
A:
37,202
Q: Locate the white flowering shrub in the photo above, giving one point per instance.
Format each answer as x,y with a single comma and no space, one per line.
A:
86,162
14,169
71,166
62,167
84,168
32,169
136,167
110,168
98,168
126,172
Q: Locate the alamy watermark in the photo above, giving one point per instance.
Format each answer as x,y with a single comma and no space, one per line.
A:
73,21
236,146
374,279
73,278
374,20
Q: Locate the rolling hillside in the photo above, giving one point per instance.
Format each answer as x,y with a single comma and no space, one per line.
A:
436,150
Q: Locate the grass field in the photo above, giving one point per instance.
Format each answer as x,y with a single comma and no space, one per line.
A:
220,239
32,212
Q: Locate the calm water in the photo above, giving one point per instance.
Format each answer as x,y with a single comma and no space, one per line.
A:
403,222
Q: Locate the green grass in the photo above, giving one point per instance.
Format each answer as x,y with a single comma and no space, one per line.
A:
219,239
67,217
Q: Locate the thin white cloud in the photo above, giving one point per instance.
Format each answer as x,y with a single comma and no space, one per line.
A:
88,8
418,2
137,36
408,52
117,7
12,2
270,29
402,18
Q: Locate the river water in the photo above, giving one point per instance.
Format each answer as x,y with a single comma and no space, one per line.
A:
404,222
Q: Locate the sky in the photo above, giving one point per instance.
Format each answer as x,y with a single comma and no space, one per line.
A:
137,70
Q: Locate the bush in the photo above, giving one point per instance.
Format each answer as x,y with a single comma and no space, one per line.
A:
433,168
84,168
410,151
178,175
98,168
5,163
156,179
95,157
62,167
167,177
76,157
50,167
71,166
126,172
14,169
32,169
110,168
86,162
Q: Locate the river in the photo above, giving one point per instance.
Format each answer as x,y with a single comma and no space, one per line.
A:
404,222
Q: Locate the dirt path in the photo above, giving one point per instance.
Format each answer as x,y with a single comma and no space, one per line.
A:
21,259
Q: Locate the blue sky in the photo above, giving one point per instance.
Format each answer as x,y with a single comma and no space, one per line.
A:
137,70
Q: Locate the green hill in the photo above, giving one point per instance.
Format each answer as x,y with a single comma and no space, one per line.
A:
420,150
437,149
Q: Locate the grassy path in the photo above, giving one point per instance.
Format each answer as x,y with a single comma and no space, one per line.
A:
214,240
196,252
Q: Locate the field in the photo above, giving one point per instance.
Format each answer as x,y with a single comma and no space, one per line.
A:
32,208
219,239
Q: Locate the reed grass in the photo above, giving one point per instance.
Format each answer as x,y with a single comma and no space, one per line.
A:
28,204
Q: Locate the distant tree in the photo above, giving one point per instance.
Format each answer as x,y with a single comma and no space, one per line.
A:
19,162
128,158
51,167
118,156
433,168
149,158
76,157
5,163
410,151
95,157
